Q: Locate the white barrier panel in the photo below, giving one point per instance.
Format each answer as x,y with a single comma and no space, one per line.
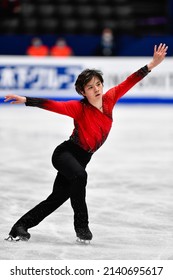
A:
55,77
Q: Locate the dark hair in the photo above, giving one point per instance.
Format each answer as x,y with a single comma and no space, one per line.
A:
85,76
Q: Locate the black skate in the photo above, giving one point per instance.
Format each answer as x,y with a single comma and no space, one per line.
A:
84,235
18,233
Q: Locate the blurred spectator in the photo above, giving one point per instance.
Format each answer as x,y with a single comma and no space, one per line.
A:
37,48
61,48
107,46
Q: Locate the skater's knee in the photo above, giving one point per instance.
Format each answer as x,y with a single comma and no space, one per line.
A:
80,178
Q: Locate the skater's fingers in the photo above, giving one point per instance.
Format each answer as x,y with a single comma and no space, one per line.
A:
9,97
16,99
162,48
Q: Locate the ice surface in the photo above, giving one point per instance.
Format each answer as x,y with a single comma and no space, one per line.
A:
129,192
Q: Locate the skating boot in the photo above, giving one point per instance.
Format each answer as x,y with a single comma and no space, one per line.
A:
17,233
84,235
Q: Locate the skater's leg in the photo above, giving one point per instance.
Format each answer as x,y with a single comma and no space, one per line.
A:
33,217
72,169
78,198
70,182
78,202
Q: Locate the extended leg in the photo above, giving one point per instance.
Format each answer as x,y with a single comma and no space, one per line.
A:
33,217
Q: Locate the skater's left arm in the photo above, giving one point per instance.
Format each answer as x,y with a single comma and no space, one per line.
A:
118,91
158,56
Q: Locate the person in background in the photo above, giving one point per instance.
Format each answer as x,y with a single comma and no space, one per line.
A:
37,48
107,46
61,48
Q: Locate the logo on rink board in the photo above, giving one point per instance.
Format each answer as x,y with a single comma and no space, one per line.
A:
38,77
57,81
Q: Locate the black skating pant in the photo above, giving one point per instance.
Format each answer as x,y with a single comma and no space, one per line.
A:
70,161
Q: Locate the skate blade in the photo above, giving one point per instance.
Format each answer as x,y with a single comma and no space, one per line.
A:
15,239
82,241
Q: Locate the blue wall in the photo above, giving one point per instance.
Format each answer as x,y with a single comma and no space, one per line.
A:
84,45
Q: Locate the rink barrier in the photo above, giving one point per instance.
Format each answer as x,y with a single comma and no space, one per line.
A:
123,101
54,78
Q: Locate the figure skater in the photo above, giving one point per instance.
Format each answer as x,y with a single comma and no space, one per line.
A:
92,123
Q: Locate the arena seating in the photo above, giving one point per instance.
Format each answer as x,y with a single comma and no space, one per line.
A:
87,17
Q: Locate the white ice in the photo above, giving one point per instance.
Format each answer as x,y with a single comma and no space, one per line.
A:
129,192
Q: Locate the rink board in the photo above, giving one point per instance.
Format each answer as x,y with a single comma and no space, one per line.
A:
55,77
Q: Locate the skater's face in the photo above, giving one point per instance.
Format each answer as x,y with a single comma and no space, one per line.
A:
93,90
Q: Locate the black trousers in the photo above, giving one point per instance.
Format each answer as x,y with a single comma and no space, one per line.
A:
70,161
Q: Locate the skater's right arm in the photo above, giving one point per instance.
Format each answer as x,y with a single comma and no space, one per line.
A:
70,108
15,99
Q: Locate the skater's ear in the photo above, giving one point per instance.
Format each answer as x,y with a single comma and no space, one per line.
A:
83,93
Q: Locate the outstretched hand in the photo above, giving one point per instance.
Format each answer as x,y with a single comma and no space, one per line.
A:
158,56
16,99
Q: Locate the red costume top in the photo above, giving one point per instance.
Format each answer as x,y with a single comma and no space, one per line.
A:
91,126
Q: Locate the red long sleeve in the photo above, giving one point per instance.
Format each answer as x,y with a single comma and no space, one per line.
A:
91,126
